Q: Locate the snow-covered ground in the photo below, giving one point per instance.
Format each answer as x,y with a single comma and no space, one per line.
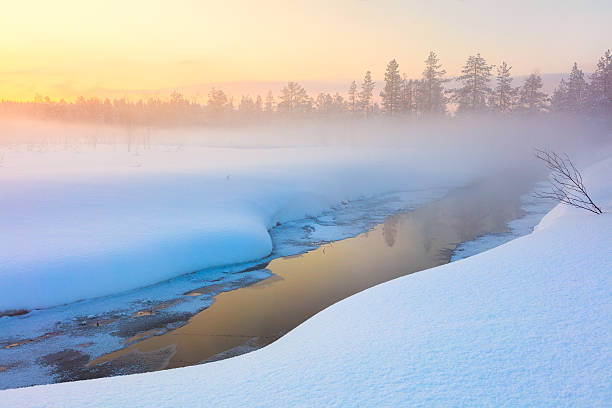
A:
525,324
109,221
101,325
109,217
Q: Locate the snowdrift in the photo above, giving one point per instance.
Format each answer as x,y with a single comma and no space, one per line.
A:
525,324
84,222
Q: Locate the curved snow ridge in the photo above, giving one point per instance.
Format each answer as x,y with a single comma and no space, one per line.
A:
524,324
83,224
72,241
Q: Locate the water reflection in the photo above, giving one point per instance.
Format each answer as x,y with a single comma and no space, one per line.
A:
389,229
253,316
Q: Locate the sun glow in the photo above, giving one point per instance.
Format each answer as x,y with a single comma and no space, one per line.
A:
68,48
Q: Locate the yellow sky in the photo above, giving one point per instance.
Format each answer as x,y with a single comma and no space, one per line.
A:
64,48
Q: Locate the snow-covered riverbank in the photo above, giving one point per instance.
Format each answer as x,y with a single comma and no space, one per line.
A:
90,218
526,323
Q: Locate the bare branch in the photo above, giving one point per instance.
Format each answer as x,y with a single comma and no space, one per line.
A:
567,185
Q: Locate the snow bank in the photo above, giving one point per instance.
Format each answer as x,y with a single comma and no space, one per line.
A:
525,324
82,222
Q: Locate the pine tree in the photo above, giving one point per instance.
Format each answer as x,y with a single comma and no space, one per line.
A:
532,99
504,95
600,89
434,101
269,106
407,96
420,97
294,99
473,94
365,95
391,94
352,97
217,101
247,105
339,105
558,101
576,90
324,103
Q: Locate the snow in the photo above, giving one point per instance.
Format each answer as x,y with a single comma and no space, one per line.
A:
524,324
93,218
116,210
73,326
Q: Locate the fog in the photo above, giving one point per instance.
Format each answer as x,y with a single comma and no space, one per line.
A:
485,144
111,209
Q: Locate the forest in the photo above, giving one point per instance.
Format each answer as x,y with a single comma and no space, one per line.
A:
481,88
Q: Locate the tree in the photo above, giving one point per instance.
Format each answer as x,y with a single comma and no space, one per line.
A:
247,106
217,101
576,90
365,95
566,182
352,97
473,94
434,101
339,104
324,103
269,106
294,99
504,95
558,101
391,94
408,96
532,99
419,96
600,89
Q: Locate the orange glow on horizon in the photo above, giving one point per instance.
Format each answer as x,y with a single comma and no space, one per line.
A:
68,48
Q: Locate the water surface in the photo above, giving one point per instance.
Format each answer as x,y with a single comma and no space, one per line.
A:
300,286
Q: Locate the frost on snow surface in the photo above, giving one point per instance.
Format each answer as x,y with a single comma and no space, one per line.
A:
524,324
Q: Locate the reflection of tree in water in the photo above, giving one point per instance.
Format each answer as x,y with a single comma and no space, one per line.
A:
390,230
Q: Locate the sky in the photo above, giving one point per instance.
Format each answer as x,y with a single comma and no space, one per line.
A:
67,48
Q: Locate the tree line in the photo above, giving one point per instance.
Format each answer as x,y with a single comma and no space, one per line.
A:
480,88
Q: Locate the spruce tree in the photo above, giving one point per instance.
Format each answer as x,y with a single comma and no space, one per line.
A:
532,99
434,101
600,89
365,95
504,95
407,96
352,97
324,103
294,99
558,101
472,96
576,90
269,106
218,102
391,93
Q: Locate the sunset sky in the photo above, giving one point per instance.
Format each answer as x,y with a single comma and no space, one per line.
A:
65,48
